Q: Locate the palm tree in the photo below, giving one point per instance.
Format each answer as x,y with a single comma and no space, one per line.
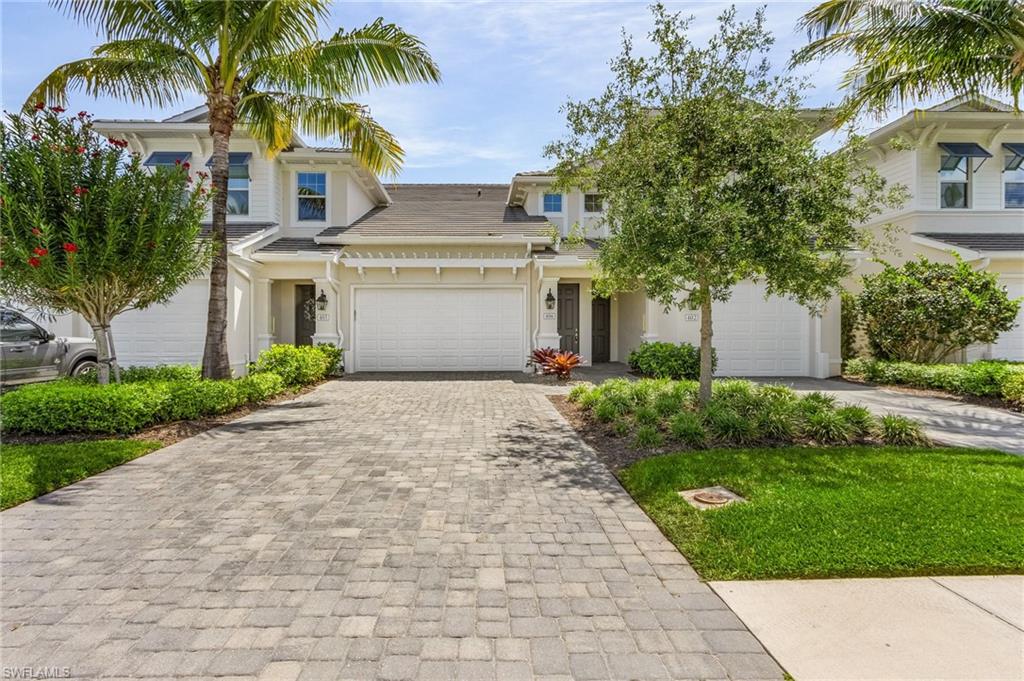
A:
259,64
908,50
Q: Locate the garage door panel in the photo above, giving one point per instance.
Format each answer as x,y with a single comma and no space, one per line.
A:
439,329
758,337
174,333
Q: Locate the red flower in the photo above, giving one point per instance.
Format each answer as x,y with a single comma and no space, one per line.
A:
34,262
186,165
40,251
96,154
36,231
1,263
79,191
35,138
120,144
40,106
151,245
57,109
188,179
83,114
70,248
80,150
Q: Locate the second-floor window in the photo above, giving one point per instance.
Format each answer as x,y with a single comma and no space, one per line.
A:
954,181
312,197
593,203
238,182
552,203
167,158
1013,176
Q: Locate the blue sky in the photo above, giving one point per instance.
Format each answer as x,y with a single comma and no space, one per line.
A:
507,68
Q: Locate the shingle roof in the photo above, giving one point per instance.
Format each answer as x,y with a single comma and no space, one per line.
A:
445,210
239,230
294,245
979,241
585,251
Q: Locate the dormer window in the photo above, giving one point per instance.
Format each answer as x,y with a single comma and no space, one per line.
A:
1013,175
552,203
165,159
311,190
956,169
238,182
593,203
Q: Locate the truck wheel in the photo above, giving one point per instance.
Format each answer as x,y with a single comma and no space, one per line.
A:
83,367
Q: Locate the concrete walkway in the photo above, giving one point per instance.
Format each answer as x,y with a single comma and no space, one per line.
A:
371,529
946,421
969,628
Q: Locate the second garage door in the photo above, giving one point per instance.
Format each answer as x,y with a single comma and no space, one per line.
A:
439,329
758,337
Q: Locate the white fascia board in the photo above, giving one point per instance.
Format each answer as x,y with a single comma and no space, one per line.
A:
920,118
1003,255
343,240
242,247
300,256
519,181
429,262
965,253
566,261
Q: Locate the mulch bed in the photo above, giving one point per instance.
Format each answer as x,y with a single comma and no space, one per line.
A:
614,451
164,433
981,401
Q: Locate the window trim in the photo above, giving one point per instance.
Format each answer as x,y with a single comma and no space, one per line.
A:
544,204
1006,174
247,160
327,197
593,212
969,181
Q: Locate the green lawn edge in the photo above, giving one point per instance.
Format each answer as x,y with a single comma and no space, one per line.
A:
840,512
29,471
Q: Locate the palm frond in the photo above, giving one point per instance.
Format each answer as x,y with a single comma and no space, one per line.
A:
267,115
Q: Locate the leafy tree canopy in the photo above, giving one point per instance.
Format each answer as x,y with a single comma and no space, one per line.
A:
711,175
84,227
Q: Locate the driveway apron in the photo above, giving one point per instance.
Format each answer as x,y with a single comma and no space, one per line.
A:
397,528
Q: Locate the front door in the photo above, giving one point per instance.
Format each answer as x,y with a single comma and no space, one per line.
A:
569,317
601,343
305,314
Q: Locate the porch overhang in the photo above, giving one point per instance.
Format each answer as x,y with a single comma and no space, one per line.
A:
437,260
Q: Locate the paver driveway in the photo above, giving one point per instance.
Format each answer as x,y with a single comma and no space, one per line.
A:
382,529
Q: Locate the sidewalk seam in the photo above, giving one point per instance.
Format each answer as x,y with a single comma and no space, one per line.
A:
976,605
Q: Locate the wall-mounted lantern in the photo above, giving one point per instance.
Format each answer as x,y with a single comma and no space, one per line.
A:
321,301
549,301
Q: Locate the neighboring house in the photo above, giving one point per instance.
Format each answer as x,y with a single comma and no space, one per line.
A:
467,277
963,162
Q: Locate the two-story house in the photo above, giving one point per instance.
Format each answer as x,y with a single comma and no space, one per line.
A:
468,277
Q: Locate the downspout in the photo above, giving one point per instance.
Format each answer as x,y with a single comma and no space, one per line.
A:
540,285
252,311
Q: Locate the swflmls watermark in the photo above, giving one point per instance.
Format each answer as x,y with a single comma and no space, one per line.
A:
35,672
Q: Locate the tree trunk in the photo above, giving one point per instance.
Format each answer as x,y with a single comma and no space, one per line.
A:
102,353
216,363
113,354
706,369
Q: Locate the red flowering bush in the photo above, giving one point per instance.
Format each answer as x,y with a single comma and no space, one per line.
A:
82,219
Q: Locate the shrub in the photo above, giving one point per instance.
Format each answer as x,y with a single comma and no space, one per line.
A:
646,416
259,387
776,419
982,378
580,392
687,429
849,320
610,407
668,402
814,402
1013,388
648,437
667,360
68,407
922,311
737,394
901,431
644,391
334,355
859,420
828,428
727,425
161,372
621,427
190,400
296,365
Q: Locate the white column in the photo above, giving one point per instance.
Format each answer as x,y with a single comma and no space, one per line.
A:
261,311
326,321
652,313
547,334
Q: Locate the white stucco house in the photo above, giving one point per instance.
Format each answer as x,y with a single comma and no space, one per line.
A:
410,277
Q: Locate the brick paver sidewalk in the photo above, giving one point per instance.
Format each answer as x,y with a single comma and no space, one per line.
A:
372,529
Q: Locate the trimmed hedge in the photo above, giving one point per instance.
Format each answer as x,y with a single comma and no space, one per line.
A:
147,398
659,412
981,379
667,360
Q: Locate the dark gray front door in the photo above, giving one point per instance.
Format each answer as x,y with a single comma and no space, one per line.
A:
601,342
569,317
305,314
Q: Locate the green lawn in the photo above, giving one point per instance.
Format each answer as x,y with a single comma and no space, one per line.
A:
843,512
26,471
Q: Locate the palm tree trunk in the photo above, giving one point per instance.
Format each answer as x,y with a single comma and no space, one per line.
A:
216,363
706,334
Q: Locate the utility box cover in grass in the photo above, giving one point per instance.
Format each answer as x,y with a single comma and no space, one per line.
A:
707,498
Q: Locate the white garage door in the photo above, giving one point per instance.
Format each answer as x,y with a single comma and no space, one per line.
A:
758,337
439,329
164,334
1010,345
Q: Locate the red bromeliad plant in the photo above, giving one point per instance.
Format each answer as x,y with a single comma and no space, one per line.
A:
559,363
540,357
84,227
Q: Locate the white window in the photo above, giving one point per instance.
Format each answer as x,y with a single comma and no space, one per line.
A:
1013,176
954,181
593,203
311,192
552,203
238,182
